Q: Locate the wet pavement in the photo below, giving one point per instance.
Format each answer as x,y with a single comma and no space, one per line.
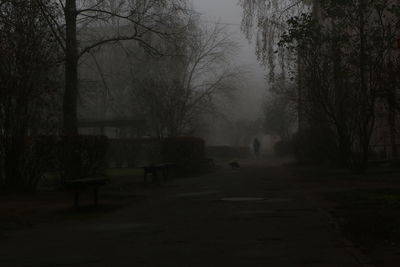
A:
257,215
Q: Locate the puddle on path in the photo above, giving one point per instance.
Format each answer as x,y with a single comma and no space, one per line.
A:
240,199
278,200
117,227
249,199
254,212
195,194
64,262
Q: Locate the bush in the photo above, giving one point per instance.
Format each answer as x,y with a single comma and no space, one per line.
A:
183,149
39,157
82,156
315,145
187,152
228,152
71,157
283,148
131,152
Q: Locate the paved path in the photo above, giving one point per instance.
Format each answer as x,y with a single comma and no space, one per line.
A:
205,221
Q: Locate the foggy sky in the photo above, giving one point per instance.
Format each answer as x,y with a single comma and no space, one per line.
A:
227,11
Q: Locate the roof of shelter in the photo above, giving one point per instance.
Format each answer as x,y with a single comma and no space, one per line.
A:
111,123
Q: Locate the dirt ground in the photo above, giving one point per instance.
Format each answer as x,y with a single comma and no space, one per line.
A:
265,213
365,207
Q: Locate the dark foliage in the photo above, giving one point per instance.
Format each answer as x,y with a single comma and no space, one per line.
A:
183,150
227,152
283,148
39,158
68,157
28,66
36,158
82,156
315,145
132,152
187,152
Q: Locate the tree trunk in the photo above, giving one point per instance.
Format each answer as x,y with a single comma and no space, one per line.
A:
391,101
365,126
392,123
71,71
12,171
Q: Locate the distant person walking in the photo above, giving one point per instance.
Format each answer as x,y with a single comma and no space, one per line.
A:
256,147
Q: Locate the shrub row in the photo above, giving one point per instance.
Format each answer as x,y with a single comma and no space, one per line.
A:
68,157
228,152
74,157
143,151
82,156
283,148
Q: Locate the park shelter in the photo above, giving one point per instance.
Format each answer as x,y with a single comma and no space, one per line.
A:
114,128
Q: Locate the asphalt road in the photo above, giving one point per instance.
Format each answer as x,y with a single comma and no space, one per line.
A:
258,215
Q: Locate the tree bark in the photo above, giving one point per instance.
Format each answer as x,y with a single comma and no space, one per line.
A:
392,114
70,123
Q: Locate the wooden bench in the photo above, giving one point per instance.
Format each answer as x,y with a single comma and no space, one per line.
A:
78,185
163,168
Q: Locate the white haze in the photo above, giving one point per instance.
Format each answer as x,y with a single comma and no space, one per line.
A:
248,102
229,13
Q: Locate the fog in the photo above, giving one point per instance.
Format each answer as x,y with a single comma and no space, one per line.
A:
146,133
228,13
248,101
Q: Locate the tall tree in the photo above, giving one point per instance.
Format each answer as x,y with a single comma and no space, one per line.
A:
177,90
77,17
268,19
345,55
28,57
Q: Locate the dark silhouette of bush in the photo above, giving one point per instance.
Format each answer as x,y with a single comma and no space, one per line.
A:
65,157
183,149
187,152
228,152
315,145
38,158
80,156
283,148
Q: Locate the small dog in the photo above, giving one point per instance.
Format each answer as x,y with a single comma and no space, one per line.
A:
234,165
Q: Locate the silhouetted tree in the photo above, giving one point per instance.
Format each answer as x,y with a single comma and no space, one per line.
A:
28,59
77,16
344,52
268,20
341,56
176,91
280,110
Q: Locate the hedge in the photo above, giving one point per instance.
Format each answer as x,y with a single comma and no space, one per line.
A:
82,156
68,157
144,151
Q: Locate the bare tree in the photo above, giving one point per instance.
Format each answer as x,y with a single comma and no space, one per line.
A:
76,16
344,55
280,110
268,19
28,57
180,89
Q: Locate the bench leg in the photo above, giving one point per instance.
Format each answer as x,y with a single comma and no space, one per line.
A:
165,173
76,199
156,177
145,177
96,196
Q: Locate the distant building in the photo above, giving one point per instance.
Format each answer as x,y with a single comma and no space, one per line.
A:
106,104
116,128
